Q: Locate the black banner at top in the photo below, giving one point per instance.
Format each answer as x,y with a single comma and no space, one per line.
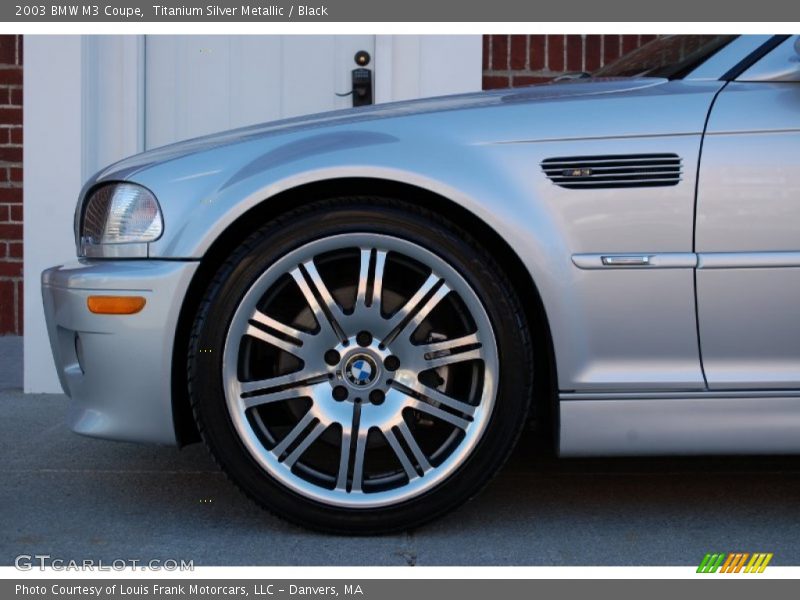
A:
782,11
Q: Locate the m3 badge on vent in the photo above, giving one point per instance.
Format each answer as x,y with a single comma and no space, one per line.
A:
614,171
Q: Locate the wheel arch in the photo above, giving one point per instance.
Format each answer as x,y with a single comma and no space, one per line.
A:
544,410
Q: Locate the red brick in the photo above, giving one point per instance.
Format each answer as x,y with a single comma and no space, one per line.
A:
15,96
5,213
19,50
15,135
610,48
521,80
15,174
629,43
574,53
519,51
537,55
16,213
592,53
493,82
13,195
644,39
10,269
499,52
14,249
20,307
7,307
485,52
11,231
11,154
8,49
555,52
11,116
11,76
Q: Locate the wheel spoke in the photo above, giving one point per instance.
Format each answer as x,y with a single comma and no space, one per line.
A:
438,413
303,446
358,460
327,313
412,444
449,359
327,298
294,434
283,387
423,312
450,345
409,314
391,438
274,340
344,459
374,301
430,394
301,338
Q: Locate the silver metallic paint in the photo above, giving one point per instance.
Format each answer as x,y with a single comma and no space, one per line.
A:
481,151
122,387
748,237
619,329
681,424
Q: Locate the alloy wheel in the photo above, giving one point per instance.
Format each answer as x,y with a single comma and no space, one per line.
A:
360,370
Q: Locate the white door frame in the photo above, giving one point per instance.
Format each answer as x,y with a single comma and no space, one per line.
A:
84,108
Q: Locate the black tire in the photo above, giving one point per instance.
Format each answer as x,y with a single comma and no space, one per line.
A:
341,216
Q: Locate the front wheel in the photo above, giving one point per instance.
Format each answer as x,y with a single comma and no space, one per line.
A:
360,366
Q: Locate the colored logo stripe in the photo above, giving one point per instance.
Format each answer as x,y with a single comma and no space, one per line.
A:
733,562
710,563
758,563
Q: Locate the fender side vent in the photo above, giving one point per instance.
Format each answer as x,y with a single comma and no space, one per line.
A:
614,171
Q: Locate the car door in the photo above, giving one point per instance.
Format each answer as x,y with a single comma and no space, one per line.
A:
748,228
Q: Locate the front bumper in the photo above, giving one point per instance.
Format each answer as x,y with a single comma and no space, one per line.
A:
117,369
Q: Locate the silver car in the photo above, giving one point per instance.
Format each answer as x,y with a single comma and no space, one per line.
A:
358,312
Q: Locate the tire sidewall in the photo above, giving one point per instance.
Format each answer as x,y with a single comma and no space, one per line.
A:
376,216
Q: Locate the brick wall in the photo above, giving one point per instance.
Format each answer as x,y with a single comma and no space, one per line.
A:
10,184
515,60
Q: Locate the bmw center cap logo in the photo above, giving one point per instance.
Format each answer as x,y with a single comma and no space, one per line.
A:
361,370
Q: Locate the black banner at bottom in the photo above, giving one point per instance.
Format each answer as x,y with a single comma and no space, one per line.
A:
397,589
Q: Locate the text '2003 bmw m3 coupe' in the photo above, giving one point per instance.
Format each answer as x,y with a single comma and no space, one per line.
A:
359,311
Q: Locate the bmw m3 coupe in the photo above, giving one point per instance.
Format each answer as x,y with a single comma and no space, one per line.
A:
359,311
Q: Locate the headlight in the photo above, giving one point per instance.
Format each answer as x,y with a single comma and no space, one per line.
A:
119,220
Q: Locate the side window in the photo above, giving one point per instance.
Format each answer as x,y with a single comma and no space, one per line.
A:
782,64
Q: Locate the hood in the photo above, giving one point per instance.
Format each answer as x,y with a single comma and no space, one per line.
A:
535,93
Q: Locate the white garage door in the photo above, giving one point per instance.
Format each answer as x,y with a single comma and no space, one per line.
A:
202,84
91,100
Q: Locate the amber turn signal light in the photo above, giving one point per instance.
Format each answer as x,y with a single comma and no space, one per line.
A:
115,305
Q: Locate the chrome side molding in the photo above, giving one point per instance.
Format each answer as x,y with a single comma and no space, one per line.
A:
625,261
747,260
665,260
688,260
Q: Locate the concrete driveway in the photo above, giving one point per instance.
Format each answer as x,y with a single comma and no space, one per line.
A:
79,498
